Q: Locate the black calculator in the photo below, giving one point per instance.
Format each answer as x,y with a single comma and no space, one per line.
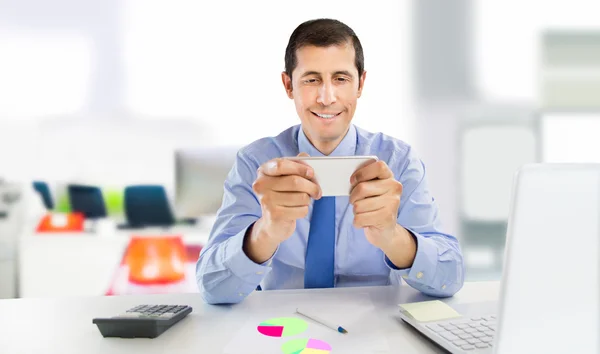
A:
143,321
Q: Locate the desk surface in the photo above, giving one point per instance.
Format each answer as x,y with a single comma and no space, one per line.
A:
46,261
64,325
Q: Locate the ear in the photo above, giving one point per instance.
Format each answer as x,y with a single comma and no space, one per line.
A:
287,84
361,82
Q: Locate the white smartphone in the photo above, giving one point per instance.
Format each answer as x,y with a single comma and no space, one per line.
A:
332,173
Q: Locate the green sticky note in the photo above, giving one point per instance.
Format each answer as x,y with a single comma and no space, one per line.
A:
425,311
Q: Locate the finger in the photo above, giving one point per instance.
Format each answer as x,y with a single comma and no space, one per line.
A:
368,189
286,167
312,177
290,199
285,213
374,170
371,218
291,184
370,204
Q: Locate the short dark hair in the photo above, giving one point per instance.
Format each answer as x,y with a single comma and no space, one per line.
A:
322,32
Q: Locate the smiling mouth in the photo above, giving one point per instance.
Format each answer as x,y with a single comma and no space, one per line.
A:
326,116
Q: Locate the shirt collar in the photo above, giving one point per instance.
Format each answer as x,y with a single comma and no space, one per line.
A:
347,147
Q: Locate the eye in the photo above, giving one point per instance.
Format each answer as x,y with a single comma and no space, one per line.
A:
310,81
341,79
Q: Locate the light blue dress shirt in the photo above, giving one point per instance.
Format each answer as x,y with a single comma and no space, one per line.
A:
225,274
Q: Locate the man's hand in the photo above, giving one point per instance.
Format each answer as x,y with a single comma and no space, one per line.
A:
375,198
284,188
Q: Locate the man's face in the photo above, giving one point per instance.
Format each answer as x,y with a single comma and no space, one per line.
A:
325,87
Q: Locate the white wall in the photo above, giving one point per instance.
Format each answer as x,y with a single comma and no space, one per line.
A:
507,42
222,66
111,75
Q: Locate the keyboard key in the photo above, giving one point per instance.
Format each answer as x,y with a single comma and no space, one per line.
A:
476,318
446,325
486,339
490,323
492,316
482,329
465,336
470,330
489,333
462,325
457,332
460,342
449,336
478,334
481,345
473,340
468,347
436,328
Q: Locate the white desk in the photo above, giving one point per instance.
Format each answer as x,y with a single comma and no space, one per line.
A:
64,325
73,264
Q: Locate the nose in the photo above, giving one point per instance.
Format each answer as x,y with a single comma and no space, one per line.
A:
326,94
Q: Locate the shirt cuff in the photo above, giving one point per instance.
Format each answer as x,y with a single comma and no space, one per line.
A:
425,263
236,260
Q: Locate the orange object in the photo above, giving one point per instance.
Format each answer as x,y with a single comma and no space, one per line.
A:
156,259
71,222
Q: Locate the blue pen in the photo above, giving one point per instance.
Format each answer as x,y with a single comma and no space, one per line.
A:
323,322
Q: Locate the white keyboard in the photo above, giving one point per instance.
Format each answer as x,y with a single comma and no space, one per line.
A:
467,334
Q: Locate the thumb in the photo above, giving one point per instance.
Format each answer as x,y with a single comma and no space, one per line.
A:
309,172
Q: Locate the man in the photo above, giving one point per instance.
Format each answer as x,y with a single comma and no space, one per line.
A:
274,230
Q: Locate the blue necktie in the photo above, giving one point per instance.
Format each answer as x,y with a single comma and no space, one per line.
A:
320,250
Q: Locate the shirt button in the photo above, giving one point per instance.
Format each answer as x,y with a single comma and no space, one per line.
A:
259,273
404,277
443,286
419,275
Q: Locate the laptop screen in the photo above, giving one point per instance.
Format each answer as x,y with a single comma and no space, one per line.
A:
550,285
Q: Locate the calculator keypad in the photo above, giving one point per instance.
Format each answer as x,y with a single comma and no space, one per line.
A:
153,311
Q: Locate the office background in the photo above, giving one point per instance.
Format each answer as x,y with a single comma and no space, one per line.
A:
113,93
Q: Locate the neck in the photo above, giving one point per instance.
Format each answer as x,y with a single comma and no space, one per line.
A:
326,147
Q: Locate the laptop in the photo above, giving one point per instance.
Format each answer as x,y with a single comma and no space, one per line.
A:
549,300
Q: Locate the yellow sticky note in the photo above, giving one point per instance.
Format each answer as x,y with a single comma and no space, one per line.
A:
434,310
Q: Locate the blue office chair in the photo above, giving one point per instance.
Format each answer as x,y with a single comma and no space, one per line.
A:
44,191
87,200
147,205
